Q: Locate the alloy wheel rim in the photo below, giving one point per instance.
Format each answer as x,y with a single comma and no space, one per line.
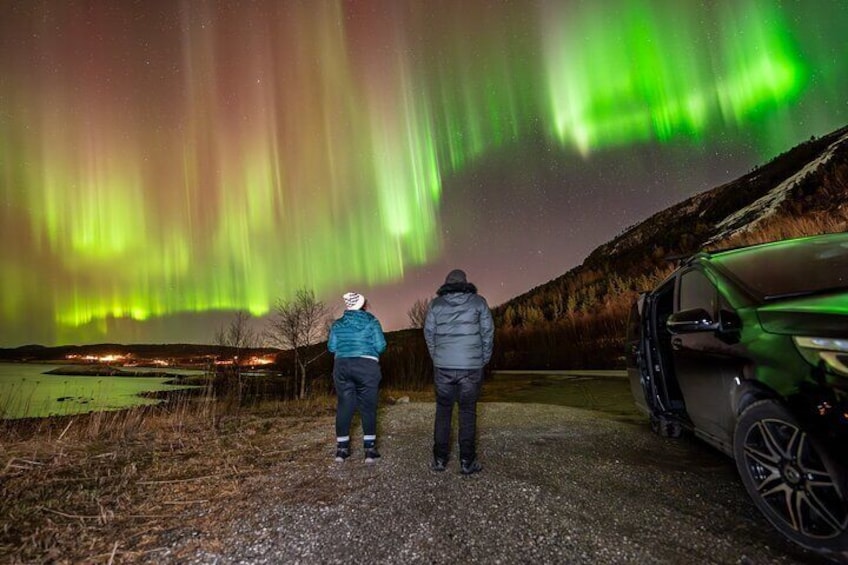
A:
792,481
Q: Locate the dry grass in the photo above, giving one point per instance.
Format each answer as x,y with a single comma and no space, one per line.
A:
787,227
111,487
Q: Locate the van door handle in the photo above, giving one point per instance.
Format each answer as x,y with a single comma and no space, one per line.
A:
676,343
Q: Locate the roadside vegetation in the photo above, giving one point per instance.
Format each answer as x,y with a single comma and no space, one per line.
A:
110,487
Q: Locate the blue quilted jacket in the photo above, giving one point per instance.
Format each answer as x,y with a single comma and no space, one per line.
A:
356,334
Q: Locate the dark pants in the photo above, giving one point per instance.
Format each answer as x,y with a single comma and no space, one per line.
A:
463,386
356,379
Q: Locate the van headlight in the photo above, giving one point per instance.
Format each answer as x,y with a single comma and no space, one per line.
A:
834,352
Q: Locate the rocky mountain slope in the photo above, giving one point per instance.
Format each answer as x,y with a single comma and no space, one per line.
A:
811,179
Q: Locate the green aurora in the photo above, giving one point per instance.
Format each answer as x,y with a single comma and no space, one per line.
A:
204,158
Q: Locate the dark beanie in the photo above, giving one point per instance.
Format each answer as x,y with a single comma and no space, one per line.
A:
456,276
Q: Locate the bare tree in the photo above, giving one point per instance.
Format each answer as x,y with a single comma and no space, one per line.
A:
235,339
297,324
418,312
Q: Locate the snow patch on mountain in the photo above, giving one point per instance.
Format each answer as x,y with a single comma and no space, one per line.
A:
748,217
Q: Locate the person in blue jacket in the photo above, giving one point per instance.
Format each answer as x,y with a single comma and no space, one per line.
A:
357,341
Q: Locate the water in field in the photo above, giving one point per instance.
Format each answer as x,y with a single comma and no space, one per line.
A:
26,392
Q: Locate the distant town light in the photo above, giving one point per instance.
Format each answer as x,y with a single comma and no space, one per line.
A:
109,358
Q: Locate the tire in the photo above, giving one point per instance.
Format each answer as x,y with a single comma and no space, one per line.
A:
786,476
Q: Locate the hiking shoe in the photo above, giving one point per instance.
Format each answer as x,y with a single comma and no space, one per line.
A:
438,464
470,466
342,453
371,454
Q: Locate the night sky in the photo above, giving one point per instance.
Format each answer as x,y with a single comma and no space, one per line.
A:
165,163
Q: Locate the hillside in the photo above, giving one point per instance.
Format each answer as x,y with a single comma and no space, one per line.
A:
578,319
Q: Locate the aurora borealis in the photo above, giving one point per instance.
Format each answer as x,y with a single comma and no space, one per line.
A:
164,163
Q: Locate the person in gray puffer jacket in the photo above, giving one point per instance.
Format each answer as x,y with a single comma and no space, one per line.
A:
459,332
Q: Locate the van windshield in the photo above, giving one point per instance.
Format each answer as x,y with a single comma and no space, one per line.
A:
790,268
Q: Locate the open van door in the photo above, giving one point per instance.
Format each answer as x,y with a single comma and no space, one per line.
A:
638,368
652,381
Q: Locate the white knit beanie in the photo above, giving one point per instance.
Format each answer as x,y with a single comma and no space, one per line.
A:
353,300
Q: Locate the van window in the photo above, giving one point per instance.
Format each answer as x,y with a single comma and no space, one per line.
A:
696,291
790,268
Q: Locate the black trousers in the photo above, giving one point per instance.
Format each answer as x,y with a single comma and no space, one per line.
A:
357,380
462,386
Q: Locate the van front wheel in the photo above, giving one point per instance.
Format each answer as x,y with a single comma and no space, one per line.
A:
789,478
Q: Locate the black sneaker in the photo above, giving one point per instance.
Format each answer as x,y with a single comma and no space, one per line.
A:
469,467
371,454
342,453
438,464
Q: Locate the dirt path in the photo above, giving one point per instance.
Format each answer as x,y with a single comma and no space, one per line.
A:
558,485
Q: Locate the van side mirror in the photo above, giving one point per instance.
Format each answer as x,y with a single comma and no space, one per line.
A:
692,320
729,321
730,326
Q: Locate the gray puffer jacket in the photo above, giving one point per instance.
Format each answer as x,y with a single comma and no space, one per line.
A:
459,330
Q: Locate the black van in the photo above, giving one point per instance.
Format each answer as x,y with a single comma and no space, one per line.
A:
748,349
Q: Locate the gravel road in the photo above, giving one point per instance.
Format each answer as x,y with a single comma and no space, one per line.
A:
559,485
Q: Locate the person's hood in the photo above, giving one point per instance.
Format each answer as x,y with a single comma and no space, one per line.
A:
458,292
357,319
